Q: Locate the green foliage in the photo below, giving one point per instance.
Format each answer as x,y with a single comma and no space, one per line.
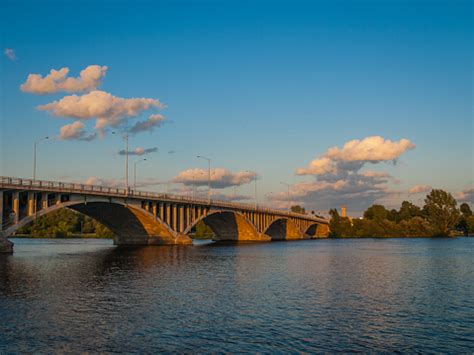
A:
438,217
407,211
65,223
470,224
462,225
203,231
298,209
333,213
441,211
340,227
416,227
465,210
376,212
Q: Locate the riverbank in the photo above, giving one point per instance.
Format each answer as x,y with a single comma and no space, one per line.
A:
71,236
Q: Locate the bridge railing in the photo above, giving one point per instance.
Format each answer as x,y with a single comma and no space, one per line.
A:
122,192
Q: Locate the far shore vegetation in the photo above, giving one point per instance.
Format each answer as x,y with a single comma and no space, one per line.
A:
439,217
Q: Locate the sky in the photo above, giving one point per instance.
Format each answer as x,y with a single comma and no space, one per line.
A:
349,102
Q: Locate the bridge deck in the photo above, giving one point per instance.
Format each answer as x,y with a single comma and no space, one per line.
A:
7,183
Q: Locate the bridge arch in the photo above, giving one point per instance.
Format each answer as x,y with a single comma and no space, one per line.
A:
317,230
284,229
229,226
131,225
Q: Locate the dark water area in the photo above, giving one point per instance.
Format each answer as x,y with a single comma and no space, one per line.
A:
406,295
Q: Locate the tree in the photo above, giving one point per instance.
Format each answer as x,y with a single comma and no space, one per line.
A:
462,225
376,212
339,226
333,213
203,231
298,209
408,210
393,215
465,210
441,211
470,224
64,223
415,227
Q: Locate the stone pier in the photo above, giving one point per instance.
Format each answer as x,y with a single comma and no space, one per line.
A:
5,245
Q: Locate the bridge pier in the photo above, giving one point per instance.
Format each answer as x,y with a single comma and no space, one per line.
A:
5,245
149,218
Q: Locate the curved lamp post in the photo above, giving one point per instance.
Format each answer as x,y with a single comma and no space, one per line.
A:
288,185
135,172
34,155
208,175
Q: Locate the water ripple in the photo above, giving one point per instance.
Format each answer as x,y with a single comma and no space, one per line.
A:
397,295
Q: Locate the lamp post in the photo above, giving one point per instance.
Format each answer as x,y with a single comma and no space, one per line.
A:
34,155
255,180
269,196
208,175
288,185
125,137
135,172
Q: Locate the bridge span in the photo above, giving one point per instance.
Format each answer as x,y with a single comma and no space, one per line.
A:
147,218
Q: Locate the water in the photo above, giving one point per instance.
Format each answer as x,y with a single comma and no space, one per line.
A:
309,296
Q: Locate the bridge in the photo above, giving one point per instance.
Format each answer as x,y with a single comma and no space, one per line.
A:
149,218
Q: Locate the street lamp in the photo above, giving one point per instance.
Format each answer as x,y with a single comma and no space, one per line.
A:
34,155
255,179
135,172
208,175
125,137
288,185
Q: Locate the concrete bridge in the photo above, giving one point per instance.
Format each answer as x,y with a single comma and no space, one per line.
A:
147,218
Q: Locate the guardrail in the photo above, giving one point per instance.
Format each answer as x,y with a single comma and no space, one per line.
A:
72,187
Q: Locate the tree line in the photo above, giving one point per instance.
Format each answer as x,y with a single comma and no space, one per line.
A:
65,223
438,217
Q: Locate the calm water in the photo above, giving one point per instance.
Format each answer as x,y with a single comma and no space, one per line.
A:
328,295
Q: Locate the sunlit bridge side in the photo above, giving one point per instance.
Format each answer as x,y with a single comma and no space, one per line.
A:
149,218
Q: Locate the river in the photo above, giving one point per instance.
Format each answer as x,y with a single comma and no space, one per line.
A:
405,295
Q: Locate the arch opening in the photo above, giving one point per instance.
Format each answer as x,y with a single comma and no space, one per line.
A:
230,226
283,229
317,230
130,224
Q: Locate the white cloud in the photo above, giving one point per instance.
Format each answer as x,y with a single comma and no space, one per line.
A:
371,149
220,178
10,54
467,195
231,197
139,151
318,166
89,79
375,174
108,110
417,189
355,154
202,192
153,121
96,181
120,183
75,131
338,176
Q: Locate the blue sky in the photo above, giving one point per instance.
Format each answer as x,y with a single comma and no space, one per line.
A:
265,86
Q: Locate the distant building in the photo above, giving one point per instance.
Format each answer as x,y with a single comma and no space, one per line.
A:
344,211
